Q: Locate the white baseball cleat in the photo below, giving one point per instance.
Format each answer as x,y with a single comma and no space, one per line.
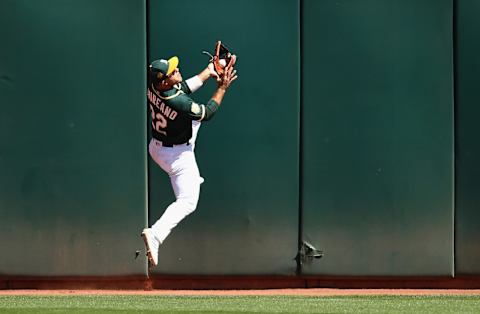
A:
151,244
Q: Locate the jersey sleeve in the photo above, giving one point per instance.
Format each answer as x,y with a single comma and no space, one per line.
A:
197,111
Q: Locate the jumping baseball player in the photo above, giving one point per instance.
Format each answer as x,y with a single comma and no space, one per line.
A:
176,119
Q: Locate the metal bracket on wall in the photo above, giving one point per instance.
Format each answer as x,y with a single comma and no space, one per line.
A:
307,253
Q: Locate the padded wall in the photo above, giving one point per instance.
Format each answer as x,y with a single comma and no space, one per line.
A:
467,227
72,128
378,136
246,220
377,186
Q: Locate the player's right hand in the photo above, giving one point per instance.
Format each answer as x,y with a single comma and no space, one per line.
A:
213,73
229,75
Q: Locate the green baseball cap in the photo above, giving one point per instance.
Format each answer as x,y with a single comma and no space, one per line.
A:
164,67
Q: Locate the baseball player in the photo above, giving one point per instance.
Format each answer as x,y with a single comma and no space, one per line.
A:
176,119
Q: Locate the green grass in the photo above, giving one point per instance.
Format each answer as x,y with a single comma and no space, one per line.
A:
243,304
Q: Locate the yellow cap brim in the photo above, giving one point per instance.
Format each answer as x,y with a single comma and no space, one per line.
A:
172,64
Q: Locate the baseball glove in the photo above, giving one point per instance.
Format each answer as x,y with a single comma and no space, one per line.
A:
222,58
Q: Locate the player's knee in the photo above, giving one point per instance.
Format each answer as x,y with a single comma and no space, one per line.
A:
188,204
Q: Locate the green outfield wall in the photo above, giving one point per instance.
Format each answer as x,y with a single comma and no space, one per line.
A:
351,128
246,220
467,227
378,136
72,133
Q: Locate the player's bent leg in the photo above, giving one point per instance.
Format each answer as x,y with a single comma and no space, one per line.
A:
187,191
185,179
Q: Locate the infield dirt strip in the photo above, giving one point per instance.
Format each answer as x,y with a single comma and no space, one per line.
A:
268,292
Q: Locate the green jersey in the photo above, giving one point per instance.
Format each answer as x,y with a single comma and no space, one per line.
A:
172,112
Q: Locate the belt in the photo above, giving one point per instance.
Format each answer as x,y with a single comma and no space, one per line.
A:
166,144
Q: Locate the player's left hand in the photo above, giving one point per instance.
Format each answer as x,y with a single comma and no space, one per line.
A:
229,75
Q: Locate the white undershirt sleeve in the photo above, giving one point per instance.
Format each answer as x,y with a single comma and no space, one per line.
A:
194,83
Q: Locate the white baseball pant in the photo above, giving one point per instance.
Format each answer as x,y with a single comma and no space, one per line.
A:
180,164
